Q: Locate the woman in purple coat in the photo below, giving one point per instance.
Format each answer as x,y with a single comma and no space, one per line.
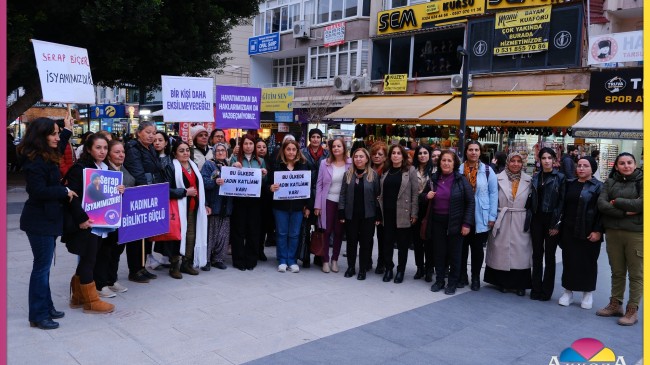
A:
328,189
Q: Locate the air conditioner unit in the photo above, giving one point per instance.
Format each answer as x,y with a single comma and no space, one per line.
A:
360,84
457,82
342,83
301,29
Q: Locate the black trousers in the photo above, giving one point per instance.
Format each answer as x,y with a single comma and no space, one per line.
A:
108,261
447,250
380,247
134,258
402,236
544,247
422,249
86,264
245,232
359,233
473,241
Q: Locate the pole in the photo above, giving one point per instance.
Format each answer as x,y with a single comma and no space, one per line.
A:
463,102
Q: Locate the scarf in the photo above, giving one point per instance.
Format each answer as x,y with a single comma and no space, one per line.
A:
319,153
470,173
514,178
200,245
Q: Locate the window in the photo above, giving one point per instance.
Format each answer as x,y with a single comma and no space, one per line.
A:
323,11
422,55
289,71
350,8
345,59
390,4
277,19
333,10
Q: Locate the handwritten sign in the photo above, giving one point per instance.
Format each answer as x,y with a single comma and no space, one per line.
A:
101,199
241,182
64,72
238,107
293,185
187,99
144,212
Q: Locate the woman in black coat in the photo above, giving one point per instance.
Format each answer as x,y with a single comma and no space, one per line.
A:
450,216
78,236
42,216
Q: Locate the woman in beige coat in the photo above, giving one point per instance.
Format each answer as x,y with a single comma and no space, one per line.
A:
509,251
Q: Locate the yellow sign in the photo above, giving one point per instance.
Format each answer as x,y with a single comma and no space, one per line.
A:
268,126
395,82
509,4
416,16
277,99
522,31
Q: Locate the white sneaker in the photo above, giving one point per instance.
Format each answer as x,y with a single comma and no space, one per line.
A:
566,298
587,300
282,268
118,288
106,293
294,268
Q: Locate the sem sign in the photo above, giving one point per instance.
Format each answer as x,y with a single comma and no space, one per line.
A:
426,14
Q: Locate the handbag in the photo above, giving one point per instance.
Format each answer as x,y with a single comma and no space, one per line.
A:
174,233
317,241
425,220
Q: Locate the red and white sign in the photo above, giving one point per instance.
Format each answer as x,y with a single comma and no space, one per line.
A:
184,130
616,47
283,127
334,34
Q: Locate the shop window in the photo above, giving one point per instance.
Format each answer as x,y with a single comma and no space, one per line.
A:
399,55
435,53
380,58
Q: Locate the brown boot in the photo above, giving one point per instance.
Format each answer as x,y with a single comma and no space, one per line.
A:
175,268
76,300
630,317
92,303
614,308
187,268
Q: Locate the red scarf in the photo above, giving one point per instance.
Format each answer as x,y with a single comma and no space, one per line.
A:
319,153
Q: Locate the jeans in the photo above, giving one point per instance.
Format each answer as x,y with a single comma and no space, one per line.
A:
287,230
40,297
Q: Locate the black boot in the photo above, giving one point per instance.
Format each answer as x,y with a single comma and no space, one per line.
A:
388,276
175,268
428,276
187,268
350,272
399,277
380,269
419,273
476,284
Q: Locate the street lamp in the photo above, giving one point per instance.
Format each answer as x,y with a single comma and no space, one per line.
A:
463,100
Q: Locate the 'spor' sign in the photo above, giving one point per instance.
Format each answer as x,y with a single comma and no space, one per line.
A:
64,72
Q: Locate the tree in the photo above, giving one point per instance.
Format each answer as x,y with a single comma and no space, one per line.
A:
129,42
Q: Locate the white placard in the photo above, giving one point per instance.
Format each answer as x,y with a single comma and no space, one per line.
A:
64,72
188,99
241,182
616,47
293,185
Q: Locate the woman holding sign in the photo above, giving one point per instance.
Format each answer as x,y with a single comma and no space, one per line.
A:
326,206
80,238
288,213
42,216
359,210
246,217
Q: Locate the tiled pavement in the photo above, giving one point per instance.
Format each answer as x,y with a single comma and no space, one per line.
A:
224,317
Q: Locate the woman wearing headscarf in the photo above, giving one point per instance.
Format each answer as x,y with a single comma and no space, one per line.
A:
546,205
621,205
581,234
509,249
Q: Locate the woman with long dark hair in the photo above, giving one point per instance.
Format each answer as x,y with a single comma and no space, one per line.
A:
246,215
42,215
399,208
621,205
267,226
421,250
83,241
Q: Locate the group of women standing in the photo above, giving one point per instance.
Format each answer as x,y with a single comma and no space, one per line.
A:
446,209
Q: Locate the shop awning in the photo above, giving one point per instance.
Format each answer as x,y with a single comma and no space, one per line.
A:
610,124
388,109
530,110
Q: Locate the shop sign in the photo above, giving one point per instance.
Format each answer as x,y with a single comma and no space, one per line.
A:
107,111
426,14
616,89
264,44
334,34
510,4
284,117
608,134
522,31
268,126
395,82
616,47
277,99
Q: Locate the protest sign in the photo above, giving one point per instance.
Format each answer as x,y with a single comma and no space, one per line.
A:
187,99
101,200
238,107
242,182
64,72
293,185
145,212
